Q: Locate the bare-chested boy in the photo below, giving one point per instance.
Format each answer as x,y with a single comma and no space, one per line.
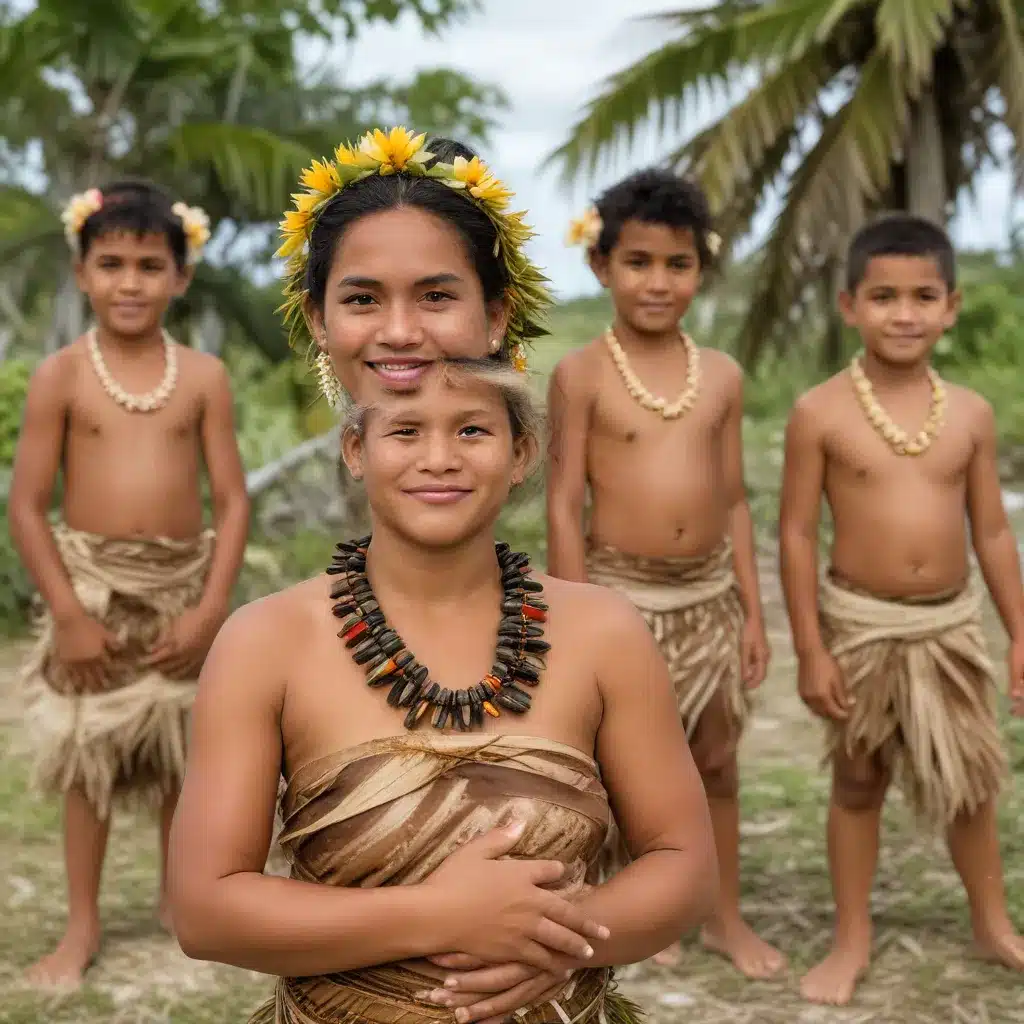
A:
134,588
653,425
890,643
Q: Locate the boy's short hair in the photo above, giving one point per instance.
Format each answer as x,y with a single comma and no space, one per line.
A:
655,196
899,234
138,207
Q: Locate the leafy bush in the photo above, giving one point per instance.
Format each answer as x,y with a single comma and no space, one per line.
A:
16,588
14,378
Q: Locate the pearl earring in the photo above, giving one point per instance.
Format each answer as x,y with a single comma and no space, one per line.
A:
495,344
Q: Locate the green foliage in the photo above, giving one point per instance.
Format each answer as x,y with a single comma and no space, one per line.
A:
208,99
832,104
16,588
14,378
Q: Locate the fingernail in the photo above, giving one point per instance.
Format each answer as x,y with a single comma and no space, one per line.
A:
451,983
462,1015
516,828
603,933
588,952
422,994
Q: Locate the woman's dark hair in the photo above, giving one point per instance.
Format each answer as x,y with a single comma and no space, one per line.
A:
655,196
377,193
138,207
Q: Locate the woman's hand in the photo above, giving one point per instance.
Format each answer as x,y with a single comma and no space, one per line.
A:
488,995
499,913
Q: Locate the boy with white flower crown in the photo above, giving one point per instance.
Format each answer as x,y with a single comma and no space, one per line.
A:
669,522
134,587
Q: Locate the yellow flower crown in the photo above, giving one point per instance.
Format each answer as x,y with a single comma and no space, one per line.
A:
400,152
585,230
81,207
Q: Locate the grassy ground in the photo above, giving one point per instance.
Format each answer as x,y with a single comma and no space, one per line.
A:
920,975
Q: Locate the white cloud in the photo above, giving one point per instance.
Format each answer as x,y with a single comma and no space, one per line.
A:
550,56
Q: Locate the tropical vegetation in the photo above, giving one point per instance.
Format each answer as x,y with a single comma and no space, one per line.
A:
837,107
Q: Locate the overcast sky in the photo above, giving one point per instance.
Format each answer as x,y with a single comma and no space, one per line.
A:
549,56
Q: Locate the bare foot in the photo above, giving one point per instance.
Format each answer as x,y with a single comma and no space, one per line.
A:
834,980
1006,948
671,956
66,965
738,942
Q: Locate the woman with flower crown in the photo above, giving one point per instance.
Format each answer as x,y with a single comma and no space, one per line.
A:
442,823
134,588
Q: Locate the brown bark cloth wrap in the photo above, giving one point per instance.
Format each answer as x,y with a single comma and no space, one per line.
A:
127,740
924,695
388,812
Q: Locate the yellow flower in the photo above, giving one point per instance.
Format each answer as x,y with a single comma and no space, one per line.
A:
472,172
295,226
519,358
322,177
394,150
585,230
480,182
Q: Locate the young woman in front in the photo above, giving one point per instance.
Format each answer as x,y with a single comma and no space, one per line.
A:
448,815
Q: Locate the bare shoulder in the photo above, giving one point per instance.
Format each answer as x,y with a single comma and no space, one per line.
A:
58,372
818,405
720,363
601,618
975,409
578,371
202,370
255,645
722,371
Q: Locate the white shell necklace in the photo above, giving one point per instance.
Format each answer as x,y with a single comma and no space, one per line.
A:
669,411
152,400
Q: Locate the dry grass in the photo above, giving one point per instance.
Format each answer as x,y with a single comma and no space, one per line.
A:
921,973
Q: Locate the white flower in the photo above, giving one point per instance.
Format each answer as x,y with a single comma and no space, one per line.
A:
78,210
197,228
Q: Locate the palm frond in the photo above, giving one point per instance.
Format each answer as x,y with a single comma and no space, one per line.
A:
656,89
237,301
854,152
909,31
258,168
730,152
27,224
1008,72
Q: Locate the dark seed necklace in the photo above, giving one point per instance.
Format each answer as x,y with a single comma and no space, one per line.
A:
518,659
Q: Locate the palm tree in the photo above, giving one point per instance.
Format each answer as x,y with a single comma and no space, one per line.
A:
208,100
856,106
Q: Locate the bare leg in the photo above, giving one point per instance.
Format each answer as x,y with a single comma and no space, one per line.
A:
974,845
727,933
852,856
85,843
167,809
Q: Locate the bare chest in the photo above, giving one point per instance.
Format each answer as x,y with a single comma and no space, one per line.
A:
859,455
97,418
620,421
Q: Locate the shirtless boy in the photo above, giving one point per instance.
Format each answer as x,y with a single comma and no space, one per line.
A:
134,588
890,644
669,522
